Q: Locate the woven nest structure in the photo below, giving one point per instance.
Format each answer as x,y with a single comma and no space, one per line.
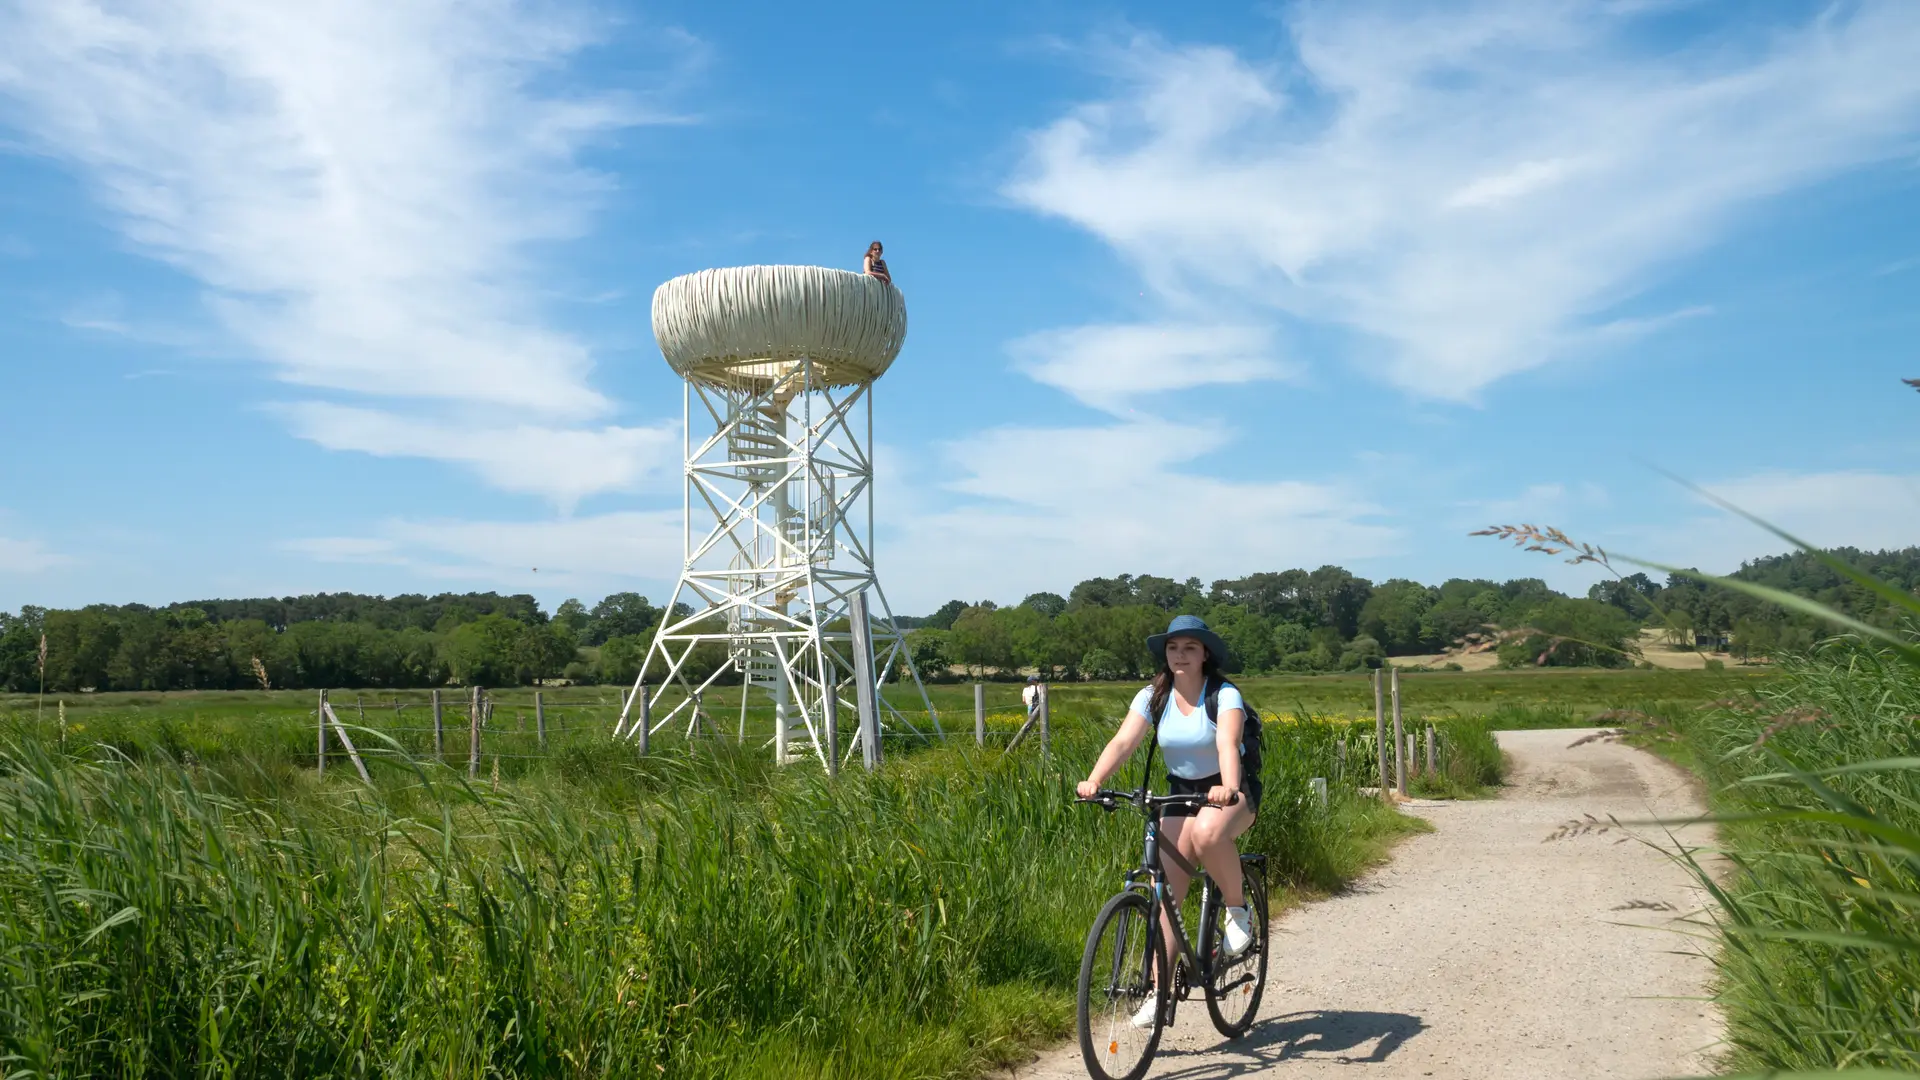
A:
748,327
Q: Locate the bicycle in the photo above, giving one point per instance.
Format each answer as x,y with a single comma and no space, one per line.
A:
1116,978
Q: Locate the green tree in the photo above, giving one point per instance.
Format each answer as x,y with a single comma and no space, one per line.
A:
1032,637
573,615
621,614
1248,636
20,649
1453,618
1290,638
1362,652
1046,603
1173,597
1100,664
1393,615
1280,597
1335,598
543,652
928,647
1574,633
620,659
482,652
979,640
943,618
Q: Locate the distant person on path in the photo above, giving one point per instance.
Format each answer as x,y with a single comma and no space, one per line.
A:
874,265
1204,757
1031,695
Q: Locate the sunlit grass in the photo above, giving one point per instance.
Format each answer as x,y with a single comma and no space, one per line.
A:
183,902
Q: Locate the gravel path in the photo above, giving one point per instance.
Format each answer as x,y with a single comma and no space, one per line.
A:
1501,945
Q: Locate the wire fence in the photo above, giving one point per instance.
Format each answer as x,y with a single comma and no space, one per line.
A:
479,726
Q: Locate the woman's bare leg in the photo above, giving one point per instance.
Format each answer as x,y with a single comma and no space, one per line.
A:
1208,842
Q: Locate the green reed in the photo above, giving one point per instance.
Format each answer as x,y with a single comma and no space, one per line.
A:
178,908
1816,780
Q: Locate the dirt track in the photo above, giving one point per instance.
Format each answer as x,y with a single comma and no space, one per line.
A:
1486,950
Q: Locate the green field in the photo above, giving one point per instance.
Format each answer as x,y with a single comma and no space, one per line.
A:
211,722
187,895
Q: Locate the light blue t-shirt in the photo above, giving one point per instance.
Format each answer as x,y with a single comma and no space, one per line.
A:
1187,740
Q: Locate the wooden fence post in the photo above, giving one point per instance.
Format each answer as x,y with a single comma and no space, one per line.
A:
1380,733
979,714
1399,740
473,734
353,755
320,752
1433,764
540,718
439,731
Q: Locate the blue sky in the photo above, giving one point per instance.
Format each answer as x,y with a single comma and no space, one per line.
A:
356,297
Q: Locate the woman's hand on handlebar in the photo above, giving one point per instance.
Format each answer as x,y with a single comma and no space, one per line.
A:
1087,789
1221,795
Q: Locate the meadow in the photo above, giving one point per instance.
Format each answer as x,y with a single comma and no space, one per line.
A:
186,895
213,722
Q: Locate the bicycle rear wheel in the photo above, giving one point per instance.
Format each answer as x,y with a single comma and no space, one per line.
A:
1235,985
1118,976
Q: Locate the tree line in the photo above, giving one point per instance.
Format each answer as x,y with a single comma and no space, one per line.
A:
1332,620
1287,621
329,639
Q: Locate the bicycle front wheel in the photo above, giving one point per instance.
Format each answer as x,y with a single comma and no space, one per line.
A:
1119,981
1235,984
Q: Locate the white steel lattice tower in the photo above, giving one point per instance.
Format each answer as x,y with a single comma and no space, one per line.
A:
779,363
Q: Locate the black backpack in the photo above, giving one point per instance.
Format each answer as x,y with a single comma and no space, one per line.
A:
1249,729
1250,733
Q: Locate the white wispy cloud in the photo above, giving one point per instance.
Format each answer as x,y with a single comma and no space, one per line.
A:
1859,508
563,464
1474,187
1108,366
1044,508
359,186
602,551
21,557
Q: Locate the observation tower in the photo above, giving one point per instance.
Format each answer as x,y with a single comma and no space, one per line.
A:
779,364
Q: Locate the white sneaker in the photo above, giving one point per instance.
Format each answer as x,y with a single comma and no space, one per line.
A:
1143,1019
1239,931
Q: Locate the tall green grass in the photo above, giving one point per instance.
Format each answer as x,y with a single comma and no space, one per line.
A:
1816,782
178,907
1470,762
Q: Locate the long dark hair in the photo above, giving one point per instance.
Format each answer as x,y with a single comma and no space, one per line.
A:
875,248
1163,682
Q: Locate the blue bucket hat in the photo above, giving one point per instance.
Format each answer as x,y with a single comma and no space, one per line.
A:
1191,626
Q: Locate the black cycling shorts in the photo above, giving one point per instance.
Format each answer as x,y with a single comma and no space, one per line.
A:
1250,789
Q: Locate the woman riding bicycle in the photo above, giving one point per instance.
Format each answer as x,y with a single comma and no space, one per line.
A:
1203,758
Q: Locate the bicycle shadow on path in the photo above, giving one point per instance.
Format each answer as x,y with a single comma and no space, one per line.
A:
1337,1035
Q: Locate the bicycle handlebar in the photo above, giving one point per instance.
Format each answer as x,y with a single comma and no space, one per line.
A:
1108,799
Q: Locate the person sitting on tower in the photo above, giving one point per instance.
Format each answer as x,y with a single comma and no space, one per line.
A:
874,265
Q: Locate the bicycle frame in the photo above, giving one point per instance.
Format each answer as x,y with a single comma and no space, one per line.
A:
1162,898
